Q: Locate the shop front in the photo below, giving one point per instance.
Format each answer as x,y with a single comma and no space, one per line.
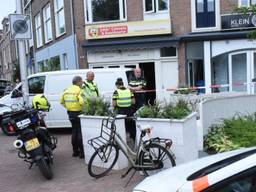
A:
223,61
144,44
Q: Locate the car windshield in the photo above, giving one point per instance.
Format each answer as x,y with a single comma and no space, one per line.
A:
220,164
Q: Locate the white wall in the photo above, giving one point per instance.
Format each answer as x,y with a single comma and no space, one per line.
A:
214,110
220,47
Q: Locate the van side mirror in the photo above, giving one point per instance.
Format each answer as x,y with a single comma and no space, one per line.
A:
16,93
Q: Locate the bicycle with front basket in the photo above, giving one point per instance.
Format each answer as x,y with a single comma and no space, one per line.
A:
150,156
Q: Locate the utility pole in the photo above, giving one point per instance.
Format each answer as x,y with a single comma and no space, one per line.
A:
22,60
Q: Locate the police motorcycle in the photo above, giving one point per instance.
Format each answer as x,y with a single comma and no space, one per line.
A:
34,143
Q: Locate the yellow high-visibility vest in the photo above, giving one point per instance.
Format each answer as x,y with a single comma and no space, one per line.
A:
90,90
124,98
72,98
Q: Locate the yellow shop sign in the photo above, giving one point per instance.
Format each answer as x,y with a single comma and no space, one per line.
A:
128,29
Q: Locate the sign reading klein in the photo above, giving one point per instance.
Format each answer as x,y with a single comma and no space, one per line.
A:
238,21
128,29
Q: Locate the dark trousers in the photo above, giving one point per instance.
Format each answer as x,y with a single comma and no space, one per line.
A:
140,100
76,139
130,125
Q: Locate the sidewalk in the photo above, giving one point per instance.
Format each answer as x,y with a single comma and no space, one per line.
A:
70,174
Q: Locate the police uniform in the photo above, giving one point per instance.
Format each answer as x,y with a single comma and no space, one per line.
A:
90,90
73,101
139,97
123,98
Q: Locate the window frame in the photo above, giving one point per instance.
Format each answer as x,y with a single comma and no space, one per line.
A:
155,7
46,21
57,11
38,30
89,17
249,3
205,29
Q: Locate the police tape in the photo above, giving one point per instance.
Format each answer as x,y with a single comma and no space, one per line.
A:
216,86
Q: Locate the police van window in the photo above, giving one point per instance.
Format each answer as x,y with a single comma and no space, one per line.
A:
220,164
36,85
244,181
114,66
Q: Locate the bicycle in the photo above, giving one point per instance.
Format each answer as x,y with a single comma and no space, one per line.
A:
150,156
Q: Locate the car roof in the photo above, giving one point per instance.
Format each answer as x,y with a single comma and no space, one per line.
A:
63,72
177,176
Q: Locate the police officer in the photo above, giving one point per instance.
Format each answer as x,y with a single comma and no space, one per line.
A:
90,89
138,83
40,102
73,101
123,99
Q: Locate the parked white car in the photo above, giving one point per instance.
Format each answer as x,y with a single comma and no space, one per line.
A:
233,171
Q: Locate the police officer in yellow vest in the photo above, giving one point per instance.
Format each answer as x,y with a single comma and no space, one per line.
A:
90,89
73,101
123,99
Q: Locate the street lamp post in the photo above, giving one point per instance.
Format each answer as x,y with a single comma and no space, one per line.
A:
22,60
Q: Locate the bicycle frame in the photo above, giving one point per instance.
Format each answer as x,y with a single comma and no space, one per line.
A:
130,155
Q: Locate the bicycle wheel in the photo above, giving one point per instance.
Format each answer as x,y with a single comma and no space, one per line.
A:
103,160
156,157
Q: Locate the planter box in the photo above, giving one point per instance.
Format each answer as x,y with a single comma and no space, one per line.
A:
91,127
182,132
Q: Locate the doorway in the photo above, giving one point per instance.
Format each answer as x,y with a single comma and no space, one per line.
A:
148,72
196,74
242,71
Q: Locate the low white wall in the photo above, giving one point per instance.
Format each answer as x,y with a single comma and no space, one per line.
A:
91,127
183,133
214,110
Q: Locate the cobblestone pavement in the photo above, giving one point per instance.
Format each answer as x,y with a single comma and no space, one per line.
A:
70,174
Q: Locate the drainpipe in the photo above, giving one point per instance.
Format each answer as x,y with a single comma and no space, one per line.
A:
73,22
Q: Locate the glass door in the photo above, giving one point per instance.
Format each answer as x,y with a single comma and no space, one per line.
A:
239,72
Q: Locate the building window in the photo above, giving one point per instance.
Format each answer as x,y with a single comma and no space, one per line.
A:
47,23
59,17
38,26
105,10
246,3
152,6
168,52
205,13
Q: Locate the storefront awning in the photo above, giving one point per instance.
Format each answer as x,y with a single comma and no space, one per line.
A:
130,44
220,35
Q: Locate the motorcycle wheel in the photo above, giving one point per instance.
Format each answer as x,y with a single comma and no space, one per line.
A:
45,168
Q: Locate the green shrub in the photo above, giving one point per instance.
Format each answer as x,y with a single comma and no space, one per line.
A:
178,111
232,134
151,111
170,111
217,141
97,107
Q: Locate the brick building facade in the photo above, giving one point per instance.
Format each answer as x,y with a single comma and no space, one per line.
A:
8,53
200,33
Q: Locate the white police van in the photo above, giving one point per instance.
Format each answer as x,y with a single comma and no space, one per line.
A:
52,85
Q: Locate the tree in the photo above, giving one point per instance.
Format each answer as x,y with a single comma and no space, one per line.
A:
251,10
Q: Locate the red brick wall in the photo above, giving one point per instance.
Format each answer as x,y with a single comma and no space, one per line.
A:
227,6
37,7
80,32
180,12
134,10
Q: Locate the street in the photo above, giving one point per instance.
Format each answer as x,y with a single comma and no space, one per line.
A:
70,174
